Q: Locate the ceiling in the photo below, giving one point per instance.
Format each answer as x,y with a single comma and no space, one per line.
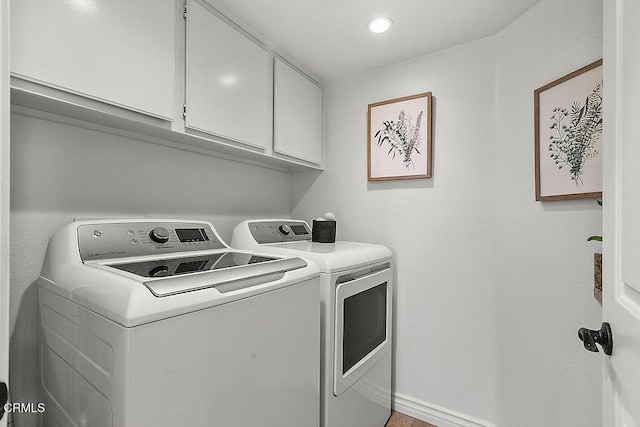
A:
330,40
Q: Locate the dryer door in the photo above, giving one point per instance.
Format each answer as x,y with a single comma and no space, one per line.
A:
363,326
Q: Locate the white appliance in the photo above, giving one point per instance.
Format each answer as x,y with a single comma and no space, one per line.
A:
356,289
159,323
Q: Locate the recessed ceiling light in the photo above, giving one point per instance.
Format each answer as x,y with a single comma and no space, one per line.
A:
228,80
379,25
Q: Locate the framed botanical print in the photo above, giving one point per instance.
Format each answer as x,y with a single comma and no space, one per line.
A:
568,136
399,138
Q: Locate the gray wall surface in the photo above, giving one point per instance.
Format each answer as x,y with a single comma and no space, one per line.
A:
491,285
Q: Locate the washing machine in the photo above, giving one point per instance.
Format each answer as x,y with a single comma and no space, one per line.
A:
356,290
159,323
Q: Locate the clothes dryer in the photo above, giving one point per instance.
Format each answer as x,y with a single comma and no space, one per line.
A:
159,323
356,292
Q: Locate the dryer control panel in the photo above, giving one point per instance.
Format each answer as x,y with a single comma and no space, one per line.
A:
279,231
105,240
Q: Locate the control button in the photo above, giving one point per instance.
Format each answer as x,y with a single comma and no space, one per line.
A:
131,233
159,235
134,242
285,229
97,234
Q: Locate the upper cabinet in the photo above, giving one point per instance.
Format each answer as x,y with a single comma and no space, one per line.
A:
228,90
120,52
297,114
129,66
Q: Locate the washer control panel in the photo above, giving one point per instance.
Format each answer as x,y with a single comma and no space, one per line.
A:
279,231
128,239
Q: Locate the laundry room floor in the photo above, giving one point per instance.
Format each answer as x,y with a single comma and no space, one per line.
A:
401,420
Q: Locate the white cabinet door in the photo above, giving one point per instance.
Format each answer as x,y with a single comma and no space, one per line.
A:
118,51
621,228
228,92
297,115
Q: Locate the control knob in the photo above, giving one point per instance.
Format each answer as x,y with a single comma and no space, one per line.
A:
285,229
159,271
159,235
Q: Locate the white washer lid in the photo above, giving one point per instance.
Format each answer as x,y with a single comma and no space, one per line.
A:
123,297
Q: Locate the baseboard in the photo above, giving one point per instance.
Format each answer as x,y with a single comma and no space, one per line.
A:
433,414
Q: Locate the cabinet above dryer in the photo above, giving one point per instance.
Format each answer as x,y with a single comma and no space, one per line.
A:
228,85
297,114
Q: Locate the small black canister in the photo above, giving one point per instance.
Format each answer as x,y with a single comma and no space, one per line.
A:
323,231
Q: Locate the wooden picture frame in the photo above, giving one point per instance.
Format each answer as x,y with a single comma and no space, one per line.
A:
399,138
568,136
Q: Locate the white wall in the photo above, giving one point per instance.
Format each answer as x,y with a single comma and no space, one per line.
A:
543,293
4,196
60,172
491,285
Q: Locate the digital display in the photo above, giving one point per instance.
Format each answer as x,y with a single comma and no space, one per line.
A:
190,235
299,229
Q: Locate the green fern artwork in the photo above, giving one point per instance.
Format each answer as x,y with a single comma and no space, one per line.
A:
402,136
576,132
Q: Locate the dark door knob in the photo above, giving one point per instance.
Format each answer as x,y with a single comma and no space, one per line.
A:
604,337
